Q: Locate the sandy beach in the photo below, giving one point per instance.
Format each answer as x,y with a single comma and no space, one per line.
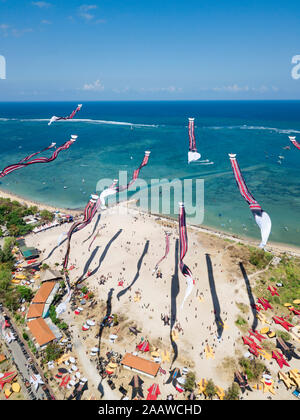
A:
127,245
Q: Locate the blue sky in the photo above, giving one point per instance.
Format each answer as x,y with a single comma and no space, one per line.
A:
148,50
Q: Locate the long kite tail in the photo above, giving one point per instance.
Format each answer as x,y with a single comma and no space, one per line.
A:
88,214
168,234
295,143
26,162
192,147
183,250
135,173
253,204
69,117
261,217
37,153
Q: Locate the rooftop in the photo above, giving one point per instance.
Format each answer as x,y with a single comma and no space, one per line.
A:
143,365
40,330
44,292
36,310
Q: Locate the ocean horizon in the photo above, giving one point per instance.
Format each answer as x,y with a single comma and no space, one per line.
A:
113,135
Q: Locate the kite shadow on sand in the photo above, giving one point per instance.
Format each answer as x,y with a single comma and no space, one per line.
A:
87,265
54,249
108,313
215,299
94,230
174,293
250,295
103,255
137,273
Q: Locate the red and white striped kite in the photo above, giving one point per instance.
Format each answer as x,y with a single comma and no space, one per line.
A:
26,161
261,217
193,155
183,250
168,234
70,117
295,143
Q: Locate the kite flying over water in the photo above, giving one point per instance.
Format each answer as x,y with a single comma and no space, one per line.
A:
193,155
26,161
96,203
261,217
70,117
295,143
183,250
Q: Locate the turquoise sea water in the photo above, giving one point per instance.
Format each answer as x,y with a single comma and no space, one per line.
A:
256,130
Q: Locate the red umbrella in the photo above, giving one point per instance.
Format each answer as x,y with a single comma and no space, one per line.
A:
144,346
153,392
7,378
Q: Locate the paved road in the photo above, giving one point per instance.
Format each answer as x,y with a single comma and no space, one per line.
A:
24,362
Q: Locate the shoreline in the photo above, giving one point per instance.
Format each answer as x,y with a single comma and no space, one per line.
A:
274,247
28,202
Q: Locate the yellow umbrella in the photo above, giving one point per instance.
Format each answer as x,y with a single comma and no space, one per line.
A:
14,281
297,301
155,354
16,387
264,330
112,365
21,277
287,304
7,393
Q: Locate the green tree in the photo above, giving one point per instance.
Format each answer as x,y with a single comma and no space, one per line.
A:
46,216
210,390
25,293
232,392
53,352
190,382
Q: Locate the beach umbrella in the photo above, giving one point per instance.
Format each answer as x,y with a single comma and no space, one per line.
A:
16,387
72,360
62,370
90,323
95,349
113,336
181,381
185,371
74,368
84,380
7,393
297,301
78,374
72,383
85,328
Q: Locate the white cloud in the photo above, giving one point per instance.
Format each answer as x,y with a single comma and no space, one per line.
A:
170,89
231,88
7,30
237,88
41,4
46,22
97,86
84,11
